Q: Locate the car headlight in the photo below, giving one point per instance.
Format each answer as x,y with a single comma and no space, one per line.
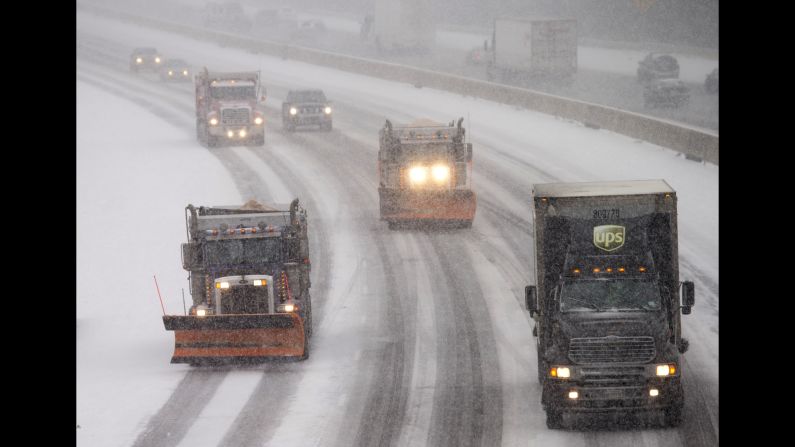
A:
440,173
138,60
327,110
668,369
418,175
170,73
213,121
293,110
561,372
185,72
258,120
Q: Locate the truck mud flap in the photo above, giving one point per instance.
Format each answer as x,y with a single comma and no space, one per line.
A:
235,338
405,206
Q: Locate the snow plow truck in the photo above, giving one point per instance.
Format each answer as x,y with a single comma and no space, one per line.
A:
229,109
425,174
249,280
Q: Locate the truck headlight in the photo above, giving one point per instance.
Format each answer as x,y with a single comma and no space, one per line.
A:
242,133
418,174
293,110
666,370
171,73
230,134
260,282
285,308
185,72
222,285
327,110
202,311
157,60
561,372
440,173
258,120
213,121
138,60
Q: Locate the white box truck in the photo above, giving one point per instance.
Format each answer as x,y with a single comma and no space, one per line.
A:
535,46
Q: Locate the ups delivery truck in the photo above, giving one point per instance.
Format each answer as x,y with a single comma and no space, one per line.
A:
607,304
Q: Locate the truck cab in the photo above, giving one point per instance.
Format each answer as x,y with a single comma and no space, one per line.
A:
607,304
229,109
249,281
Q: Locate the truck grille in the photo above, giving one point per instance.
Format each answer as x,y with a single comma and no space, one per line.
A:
309,110
611,350
234,116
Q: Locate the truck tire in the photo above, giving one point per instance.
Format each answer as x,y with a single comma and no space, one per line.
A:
554,419
327,127
258,140
289,127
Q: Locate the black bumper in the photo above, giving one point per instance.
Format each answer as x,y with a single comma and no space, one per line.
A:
601,399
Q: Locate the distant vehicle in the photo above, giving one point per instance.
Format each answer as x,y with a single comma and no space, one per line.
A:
229,109
479,55
657,66
400,26
711,83
533,46
310,29
146,58
306,108
226,16
175,70
665,93
276,22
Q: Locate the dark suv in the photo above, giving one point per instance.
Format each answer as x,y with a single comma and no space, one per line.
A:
665,93
306,108
175,70
145,59
711,83
657,66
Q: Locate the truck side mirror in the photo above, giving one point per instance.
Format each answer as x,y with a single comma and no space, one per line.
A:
469,151
688,296
531,299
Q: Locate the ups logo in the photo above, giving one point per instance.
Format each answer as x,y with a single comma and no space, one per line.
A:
608,237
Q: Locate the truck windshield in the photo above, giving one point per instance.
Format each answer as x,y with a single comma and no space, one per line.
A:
229,92
609,294
243,251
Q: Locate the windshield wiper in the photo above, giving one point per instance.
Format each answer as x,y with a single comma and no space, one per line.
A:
588,303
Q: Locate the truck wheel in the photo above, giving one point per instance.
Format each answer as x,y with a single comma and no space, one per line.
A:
554,419
258,140
393,225
327,127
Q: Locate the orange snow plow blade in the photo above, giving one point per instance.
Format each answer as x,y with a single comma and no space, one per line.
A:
456,205
235,338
